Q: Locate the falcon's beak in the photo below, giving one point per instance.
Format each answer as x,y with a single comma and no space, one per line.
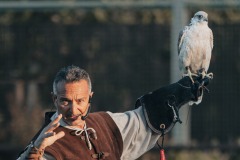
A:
205,19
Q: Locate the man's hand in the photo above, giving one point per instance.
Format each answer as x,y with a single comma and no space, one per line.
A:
47,137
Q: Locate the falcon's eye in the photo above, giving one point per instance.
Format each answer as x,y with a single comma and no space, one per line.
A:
200,16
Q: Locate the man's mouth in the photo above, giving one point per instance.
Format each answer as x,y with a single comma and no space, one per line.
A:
72,117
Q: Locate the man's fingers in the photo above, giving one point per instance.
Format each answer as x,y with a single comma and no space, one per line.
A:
57,119
49,134
54,124
59,135
49,138
55,135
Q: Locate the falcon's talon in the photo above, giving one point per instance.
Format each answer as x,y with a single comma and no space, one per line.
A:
191,78
185,75
209,75
202,73
189,74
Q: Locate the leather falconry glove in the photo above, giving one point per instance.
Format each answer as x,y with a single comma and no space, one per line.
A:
161,106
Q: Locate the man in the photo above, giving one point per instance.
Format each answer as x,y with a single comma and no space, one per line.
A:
72,133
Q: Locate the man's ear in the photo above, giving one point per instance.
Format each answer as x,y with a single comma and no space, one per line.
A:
90,97
91,94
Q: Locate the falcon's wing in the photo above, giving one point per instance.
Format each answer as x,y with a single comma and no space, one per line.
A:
180,38
211,38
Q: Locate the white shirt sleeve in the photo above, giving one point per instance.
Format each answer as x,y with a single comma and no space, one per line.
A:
137,137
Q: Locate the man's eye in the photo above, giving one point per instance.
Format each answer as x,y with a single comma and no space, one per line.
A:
80,101
64,102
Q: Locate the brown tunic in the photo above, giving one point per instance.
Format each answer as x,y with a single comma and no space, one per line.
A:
108,145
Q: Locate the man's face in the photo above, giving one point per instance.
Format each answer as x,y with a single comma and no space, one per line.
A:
72,101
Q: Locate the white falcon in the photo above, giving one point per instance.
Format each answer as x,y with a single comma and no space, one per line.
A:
195,44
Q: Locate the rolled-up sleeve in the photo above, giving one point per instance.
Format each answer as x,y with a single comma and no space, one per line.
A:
137,137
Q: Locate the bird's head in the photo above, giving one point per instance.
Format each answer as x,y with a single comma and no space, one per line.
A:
200,17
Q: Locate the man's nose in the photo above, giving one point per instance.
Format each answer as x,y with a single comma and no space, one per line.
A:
74,107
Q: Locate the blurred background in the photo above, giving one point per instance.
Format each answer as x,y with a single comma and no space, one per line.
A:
129,48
